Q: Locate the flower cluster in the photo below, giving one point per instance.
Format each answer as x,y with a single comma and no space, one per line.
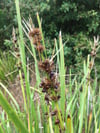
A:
94,48
49,84
35,34
94,52
46,66
16,49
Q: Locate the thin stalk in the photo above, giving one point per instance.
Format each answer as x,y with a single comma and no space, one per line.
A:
11,96
40,27
56,129
62,79
50,122
23,59
69,125
22,87
59,116
48,129
12,114
37,79
1,130
36,65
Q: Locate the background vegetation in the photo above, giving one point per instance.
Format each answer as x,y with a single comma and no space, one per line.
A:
78,20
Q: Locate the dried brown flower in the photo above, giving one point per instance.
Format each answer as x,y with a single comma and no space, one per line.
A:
34,32
40,48
35,40
47,99
19,67
14,35
56,85
46,65
16,49
18,54
46,84
57,121
55,98
53,113
93,53
68,117
36,35
49,84
52,75
44,90
46,113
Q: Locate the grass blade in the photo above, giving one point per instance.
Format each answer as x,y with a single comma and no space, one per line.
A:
1,130
12,114
62,79
13,99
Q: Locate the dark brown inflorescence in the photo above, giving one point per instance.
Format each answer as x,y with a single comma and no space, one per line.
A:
46,66
57,121
16,49
14,36
49,84
54,113
40,48
35,34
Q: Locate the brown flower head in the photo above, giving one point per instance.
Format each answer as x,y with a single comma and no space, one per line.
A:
57,121
46,66
68,117
55,98
52,76
14,35
46,84
49,84
53,113
36,35
40,48
34,32
47,98
16,49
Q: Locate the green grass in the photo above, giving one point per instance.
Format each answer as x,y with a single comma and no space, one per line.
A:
78,108
7,68
12,114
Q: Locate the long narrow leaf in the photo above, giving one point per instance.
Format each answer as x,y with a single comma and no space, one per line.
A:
12,114
62,79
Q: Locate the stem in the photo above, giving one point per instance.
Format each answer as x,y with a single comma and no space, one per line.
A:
22,87
59,116
39,23
50,122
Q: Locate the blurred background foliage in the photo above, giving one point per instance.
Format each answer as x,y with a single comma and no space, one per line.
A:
8,70
79,21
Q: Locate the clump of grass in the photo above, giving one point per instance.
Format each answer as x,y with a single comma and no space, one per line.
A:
7,68
61,107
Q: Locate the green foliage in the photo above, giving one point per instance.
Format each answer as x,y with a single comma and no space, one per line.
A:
8,43
7,68
79,94
78,19
12,114
76,50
